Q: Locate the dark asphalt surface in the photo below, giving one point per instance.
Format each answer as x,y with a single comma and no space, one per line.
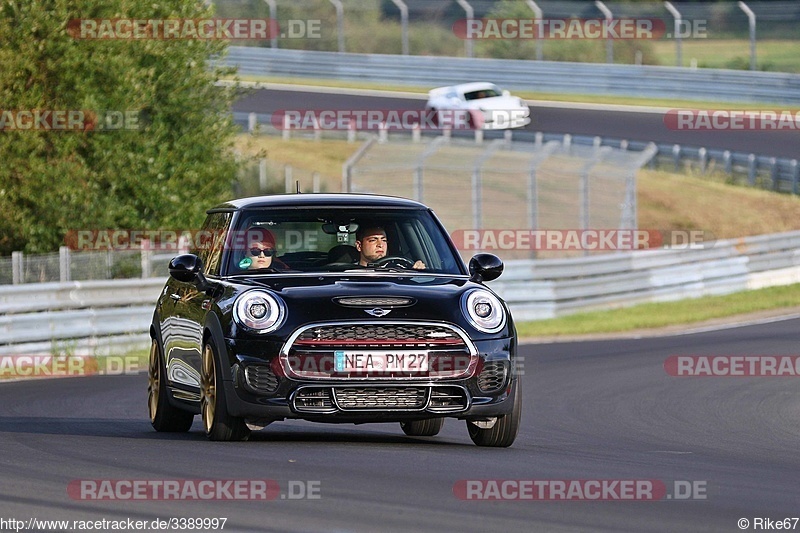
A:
592,410
634,126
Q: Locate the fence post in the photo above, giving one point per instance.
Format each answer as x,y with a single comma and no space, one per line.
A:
751,169
147,256
702,156
17,268
773,173
676,155
287,178
262,175
64,264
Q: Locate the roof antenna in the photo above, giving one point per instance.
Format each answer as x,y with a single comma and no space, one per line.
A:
297,185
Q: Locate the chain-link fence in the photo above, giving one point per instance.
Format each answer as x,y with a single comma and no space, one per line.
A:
500,190
431,27
71,265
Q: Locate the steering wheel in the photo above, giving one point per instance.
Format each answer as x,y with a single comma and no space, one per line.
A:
398,261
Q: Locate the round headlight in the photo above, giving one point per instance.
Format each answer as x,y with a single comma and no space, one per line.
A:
259,310
483,310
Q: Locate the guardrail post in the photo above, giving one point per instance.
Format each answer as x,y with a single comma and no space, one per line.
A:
416,133
795,176
676,155
315,180
17,268
317,129
751,169
623,145
147,259
702,159
287,178
773,173
262,175
567,143
478,136
351,132
726,162
538,138
252,123
286,133
383,132
508,136
64,264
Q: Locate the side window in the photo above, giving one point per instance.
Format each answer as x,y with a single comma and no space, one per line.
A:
214,231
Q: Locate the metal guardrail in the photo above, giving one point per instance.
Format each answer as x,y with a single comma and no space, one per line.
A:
778,174
544,76
113,311
554,287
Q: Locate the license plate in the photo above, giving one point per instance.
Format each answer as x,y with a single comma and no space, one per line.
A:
380,361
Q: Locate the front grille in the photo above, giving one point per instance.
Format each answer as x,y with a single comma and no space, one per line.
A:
311,352
492,377
448,399
261,378
379,334
311,400
374,301
381,397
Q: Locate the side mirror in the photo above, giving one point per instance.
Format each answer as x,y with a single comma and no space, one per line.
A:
186,267
485,267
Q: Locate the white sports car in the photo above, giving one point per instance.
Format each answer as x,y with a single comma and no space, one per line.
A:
477,105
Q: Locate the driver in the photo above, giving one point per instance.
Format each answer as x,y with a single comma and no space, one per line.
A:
372,245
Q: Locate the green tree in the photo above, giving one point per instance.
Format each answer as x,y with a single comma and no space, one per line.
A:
161,175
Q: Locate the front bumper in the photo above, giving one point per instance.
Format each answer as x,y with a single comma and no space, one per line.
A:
256,392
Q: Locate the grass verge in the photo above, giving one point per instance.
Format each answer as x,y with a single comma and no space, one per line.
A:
657,315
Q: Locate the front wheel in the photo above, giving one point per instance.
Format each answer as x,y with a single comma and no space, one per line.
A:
219,425
163,416
504,431
422,428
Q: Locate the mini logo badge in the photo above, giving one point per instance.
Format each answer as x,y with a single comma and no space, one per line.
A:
378,312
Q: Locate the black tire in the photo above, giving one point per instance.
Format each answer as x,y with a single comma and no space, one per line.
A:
218,424
163,415
504,431
422,428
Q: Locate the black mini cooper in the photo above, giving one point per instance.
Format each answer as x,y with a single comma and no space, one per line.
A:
336,308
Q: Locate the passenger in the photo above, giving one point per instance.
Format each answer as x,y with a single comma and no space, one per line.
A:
260,251
372,246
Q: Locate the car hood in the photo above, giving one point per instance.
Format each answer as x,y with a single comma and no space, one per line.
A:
317,298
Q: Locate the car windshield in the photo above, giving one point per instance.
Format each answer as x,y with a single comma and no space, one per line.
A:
325,240
489,92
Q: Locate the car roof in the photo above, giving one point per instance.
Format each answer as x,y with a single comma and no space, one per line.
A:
326,200
466,87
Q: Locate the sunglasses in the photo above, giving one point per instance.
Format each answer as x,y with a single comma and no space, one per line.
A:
268,252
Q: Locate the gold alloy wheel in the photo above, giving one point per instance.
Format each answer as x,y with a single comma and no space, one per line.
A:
208,386
153,381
